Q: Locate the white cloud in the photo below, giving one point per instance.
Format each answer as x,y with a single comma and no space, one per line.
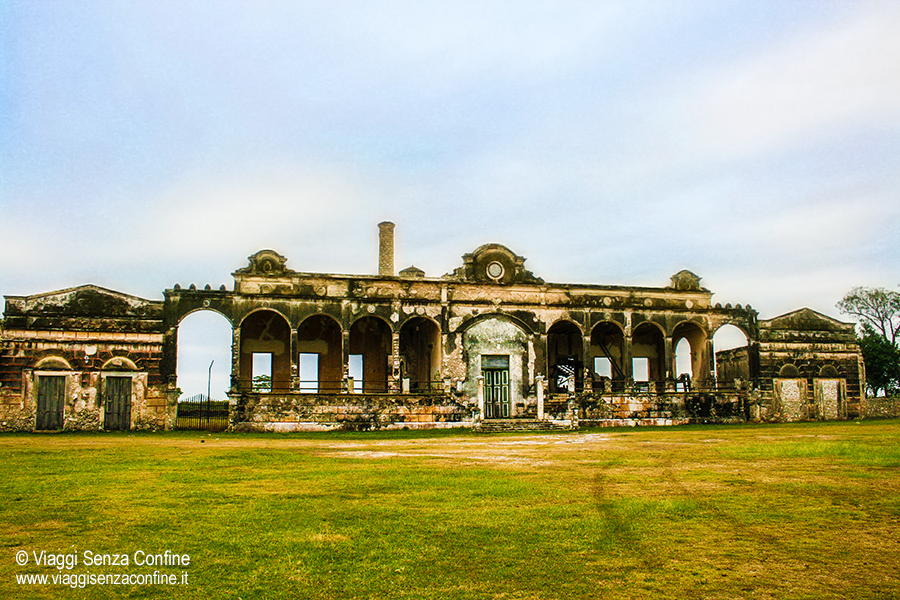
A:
810,87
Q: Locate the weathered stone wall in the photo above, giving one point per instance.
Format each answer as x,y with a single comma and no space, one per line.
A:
316,412
881,408
810,368
84,334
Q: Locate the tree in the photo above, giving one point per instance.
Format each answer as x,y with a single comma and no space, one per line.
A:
262,383
876,307
878,312
882,363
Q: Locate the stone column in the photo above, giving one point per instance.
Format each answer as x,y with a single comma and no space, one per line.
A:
539,387
670,359
346,384
236,382
295,361
394,364
480,396
587,377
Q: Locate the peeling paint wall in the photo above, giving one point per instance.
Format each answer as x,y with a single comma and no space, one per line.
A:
498,336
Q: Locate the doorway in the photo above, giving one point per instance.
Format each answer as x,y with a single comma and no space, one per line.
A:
495,370
50,401
117,400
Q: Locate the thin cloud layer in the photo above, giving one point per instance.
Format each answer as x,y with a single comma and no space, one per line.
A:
758,144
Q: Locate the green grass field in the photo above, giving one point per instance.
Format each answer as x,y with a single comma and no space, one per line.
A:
748,511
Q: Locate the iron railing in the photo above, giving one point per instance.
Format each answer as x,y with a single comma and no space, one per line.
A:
201,413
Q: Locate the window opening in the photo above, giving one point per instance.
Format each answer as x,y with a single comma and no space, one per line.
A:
309,372
602,367
640,368
355,370
262,371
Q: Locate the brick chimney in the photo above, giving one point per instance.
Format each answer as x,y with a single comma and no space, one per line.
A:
386,249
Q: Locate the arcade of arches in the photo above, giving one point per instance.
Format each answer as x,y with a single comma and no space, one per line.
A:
488,341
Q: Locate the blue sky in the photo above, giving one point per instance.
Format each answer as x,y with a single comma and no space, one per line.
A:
149,143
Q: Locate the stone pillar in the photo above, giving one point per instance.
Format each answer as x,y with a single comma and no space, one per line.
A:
540,354
386,249
539,387
480,396
346,383
236,382
394,381
587,377
670,359
295,361
627,364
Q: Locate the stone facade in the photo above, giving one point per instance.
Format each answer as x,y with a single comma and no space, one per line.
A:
489,342
64,356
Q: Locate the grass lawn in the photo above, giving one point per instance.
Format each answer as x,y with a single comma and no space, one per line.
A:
749,511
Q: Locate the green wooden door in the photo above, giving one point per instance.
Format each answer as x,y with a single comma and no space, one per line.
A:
50,401
495,370
117,399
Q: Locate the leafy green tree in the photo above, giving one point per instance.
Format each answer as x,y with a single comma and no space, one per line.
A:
878,312
882,363
262,383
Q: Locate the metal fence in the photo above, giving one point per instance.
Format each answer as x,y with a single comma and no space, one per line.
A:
201,413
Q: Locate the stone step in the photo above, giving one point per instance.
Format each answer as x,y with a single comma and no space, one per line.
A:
505,425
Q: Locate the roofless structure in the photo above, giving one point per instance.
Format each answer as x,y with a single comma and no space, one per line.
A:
490,345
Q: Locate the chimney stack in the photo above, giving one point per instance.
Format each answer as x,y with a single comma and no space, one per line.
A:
386,249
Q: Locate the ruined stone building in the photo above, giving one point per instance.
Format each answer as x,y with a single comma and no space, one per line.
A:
489,345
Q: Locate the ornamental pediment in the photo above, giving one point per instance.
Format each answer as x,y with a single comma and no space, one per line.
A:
265,263
494,263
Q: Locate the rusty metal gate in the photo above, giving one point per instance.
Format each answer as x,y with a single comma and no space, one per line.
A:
117,401
50,401
202,414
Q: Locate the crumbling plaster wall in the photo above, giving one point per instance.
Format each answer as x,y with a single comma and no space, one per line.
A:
84,334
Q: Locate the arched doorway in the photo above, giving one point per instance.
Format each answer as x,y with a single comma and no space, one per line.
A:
203,364
321,356
497,349
732,355
265,357
420,352
565,357
691,354
648,348
370,346
607,352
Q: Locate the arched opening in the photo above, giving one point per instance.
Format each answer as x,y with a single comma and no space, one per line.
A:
683,366
203,363
692,358
497,350
565,357
370,346
265,357
321,355
607,351
420,352
648,348
732,352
